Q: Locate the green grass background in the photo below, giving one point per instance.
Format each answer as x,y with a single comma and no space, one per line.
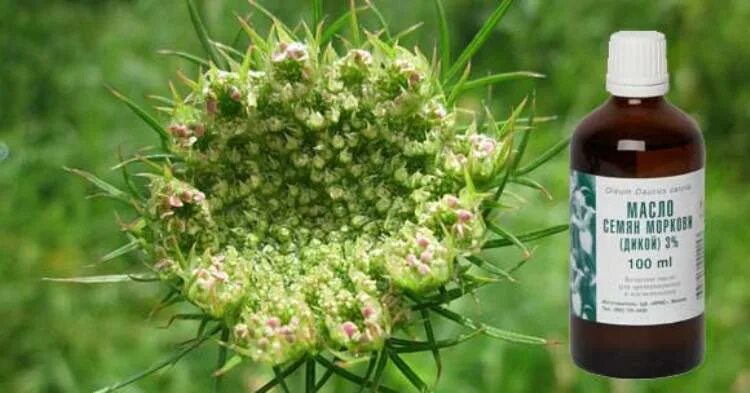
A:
56,56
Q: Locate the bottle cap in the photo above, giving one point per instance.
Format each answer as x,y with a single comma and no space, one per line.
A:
637,64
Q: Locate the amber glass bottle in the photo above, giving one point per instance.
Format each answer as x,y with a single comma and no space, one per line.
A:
637,195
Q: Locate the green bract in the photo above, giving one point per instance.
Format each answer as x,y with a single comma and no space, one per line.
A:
311,200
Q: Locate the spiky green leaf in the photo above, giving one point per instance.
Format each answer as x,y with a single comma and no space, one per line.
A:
231,55
408,372
410,346
324,379
168,361
280,376
526,237
455,92
435,348
102,185
370,369
282,29
508,129
146,117
127,177
403,33
531,183
544,157
379,370
445,39
447,296
498,78
310,375
317,12
479,39
489,330
255,38
149,157
107,279
221,362
132,246
337,25
354,23
381,19
202,32
352,377
505,234
186,56
230,364
186,317
485,265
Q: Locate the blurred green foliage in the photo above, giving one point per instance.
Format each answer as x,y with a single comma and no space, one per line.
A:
56,56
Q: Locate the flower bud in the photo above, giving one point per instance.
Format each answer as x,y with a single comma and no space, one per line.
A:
349,329
235,94
464,215
174,201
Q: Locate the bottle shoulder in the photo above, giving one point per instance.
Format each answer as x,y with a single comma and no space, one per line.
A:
653,124
648,137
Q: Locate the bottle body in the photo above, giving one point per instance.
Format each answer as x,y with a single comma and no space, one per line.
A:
637,244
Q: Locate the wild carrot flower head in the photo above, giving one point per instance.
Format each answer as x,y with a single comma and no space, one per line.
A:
311,191
311,198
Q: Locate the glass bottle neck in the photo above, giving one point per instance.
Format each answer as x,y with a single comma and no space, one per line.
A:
635,101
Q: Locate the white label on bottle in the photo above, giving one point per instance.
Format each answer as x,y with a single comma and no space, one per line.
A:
637,248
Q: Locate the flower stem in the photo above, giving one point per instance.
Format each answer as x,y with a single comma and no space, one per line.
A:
222,359
310,375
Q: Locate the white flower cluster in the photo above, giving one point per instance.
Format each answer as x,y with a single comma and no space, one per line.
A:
481,156
313,189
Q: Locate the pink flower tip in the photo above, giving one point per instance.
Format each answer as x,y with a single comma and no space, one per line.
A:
198,129
163,264
422,241
451,201
464,215
211,106
241,331
186,196
235,94
362,56
174,201
179,130
221,276
441,112
487,146
349,329
368,311
199,197
414,78
288,333
273,322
